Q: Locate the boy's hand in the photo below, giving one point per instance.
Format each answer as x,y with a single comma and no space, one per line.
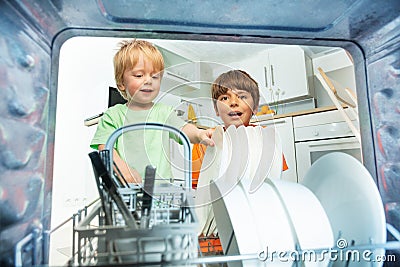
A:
205,137
131,175
197,135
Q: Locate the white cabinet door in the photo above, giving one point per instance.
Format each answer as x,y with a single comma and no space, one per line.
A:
284,127
283,70
254,66
333,61
287,74
180,74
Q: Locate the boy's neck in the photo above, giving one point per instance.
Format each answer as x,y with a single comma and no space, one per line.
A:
139,106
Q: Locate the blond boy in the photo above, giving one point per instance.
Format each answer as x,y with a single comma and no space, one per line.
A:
138,70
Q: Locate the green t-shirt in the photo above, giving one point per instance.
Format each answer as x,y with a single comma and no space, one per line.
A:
140,148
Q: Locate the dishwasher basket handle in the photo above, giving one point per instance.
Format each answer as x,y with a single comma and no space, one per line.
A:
154,126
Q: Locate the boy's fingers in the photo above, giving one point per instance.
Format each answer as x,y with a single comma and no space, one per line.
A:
207,142
209,133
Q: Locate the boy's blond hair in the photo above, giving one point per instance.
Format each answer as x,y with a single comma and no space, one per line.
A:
128,56
235,79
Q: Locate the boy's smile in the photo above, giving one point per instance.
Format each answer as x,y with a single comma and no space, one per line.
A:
235,114
146,90
142,84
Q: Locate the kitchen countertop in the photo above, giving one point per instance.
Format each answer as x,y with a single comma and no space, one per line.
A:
268,117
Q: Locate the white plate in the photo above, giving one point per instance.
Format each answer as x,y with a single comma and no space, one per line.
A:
210,169
233,170
271,222
233,215
242,142
311,227
270,164
226,155
235,220
266,158
276,169
230,158
252,223
254,143
351,200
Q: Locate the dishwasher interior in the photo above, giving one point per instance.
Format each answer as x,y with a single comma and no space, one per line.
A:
32,34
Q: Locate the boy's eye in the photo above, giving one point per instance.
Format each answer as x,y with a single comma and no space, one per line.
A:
243,96
223,98
138,75
157,76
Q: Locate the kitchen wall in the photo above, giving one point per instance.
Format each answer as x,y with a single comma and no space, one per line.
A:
84,77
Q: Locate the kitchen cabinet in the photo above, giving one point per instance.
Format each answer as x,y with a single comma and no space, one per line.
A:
287,74
283,73
336,59
284,127
179,65
323,125
181,75
321,133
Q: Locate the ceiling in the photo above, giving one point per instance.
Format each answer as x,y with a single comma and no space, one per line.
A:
226,52
217,54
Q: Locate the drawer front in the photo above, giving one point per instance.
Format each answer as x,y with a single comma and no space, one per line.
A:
322,118
323,131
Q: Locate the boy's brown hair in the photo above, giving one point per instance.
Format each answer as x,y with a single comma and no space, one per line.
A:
235,79
128,56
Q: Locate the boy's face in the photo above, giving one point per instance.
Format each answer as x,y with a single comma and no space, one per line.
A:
142,84
235,107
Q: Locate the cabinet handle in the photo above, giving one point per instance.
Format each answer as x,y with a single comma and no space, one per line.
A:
265,76
275,121
335,144
272,75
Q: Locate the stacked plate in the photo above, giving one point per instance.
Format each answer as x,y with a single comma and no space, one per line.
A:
242,198
350,198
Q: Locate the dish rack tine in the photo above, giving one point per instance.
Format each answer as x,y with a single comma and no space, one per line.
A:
147,199
109,185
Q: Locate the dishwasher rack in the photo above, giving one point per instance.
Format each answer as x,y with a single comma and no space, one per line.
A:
170,235
93,238
96,244
134,224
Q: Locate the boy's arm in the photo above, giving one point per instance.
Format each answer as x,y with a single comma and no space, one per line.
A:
130,174
197,135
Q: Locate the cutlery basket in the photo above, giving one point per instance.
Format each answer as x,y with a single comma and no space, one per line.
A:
134,225
172,237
